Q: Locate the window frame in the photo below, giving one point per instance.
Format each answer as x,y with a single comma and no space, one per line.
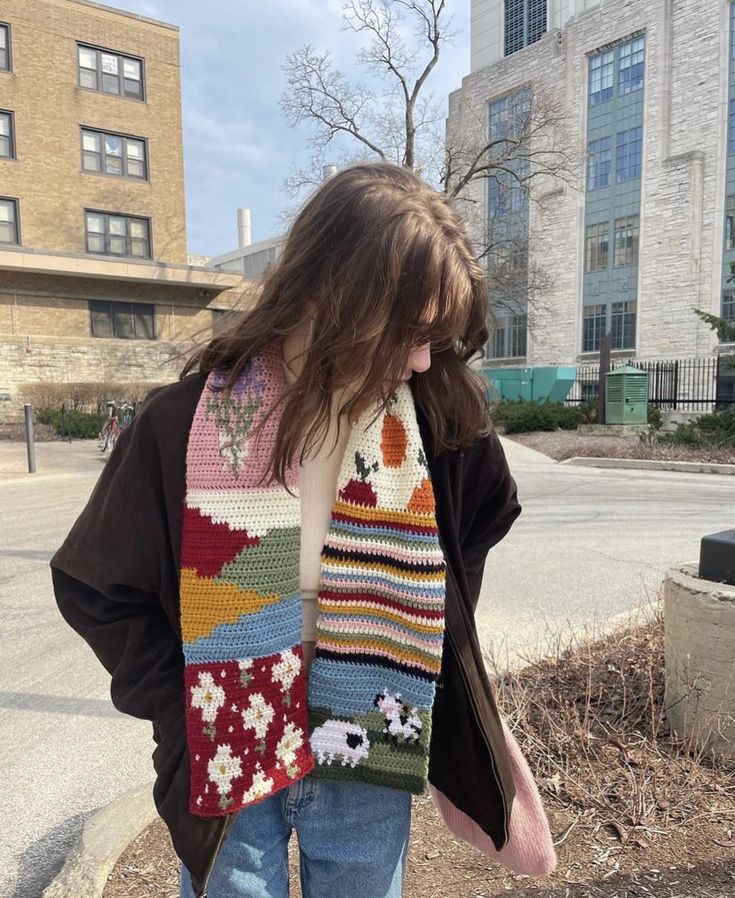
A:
5,26
598,319
114,306
595,96
623,319
595,159
593,246
11,135
727,307
128,218
627,86
623,152
121,58
730,222
103,154
508,337
631,246
16,206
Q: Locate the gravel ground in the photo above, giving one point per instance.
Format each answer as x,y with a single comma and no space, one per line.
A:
563,444
621,804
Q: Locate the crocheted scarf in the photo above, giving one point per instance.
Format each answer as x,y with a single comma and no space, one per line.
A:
255,722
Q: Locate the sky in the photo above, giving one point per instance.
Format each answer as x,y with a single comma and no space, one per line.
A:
238,147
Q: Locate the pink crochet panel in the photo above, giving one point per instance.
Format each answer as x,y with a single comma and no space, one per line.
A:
530,848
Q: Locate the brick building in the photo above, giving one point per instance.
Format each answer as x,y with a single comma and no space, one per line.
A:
647,233
94,280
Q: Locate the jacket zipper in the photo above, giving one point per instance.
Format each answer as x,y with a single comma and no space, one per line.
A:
473,703
229,820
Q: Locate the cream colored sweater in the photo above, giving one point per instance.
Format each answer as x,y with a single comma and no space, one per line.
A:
318,482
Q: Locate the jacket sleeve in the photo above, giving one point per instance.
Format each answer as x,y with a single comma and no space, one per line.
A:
107,578
490,506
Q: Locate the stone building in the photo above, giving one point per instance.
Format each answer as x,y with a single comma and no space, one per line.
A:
94,280
647,231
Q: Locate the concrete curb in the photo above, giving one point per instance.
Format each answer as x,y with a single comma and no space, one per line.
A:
647,464
104,837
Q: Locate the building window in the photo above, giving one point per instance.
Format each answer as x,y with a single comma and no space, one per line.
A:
732,30
731,127
5,64
630,76
626,240
7,142
596,246
593,328
124,320
730,223
525,23
630,146
497,349
622,327
509,337
9,221
110,73
600,162
517,336
117,235
728,305
114,154
602,71
510,116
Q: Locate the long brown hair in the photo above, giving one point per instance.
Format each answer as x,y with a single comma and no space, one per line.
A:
374,254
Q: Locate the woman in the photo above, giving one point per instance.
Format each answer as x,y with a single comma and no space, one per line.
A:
280,564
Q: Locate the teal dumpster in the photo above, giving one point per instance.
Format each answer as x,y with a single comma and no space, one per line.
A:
509,383
550,384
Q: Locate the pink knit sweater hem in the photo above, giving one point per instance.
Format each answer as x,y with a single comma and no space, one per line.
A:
530,848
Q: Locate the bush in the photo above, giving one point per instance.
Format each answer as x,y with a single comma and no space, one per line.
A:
78,425
84,396
522,416
717,429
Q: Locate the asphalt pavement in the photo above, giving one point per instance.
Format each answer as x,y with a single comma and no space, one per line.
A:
590,543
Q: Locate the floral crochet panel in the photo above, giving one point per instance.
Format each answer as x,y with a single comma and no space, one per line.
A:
247,730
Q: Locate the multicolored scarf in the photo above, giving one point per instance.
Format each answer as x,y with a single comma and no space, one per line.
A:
255,722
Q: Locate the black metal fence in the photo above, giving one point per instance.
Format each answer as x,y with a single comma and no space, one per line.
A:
690,385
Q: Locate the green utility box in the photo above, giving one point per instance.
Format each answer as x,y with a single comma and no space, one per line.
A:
626,396
533,384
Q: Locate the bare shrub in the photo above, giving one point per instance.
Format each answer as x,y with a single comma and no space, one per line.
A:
591,721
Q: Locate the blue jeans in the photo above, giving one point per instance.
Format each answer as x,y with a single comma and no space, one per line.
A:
353,839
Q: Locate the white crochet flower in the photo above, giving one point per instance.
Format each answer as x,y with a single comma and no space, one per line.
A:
289,744
208,697
286,670
223,768
261,786
258,715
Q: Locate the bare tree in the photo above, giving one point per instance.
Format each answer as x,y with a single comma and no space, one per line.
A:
529,157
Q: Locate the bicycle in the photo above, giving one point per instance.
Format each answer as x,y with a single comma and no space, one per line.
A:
110,431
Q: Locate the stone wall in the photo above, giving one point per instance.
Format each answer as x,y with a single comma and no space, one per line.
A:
683,186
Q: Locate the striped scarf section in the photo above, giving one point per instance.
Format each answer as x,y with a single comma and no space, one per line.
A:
255,722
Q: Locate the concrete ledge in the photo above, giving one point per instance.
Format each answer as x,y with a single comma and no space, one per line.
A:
699,623
649,464
104,837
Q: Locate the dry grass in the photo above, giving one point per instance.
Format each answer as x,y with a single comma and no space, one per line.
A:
563,444
592,723
634,813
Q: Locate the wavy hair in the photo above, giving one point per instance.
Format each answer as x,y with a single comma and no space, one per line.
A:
383,263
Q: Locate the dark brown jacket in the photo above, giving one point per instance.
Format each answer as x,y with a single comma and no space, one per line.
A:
116,580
